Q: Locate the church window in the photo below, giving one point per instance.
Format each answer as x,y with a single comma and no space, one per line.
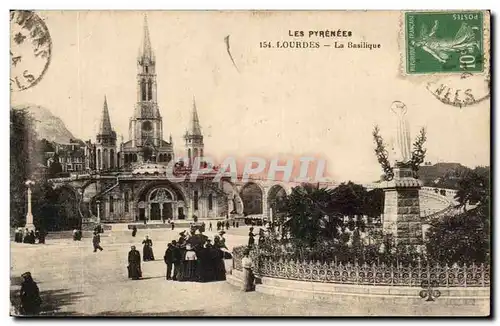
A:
150,90
195,200
210,202
111,204
126,202
146,67
143,90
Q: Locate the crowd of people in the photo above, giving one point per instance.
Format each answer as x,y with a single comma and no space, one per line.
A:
194,257
191,258
26,236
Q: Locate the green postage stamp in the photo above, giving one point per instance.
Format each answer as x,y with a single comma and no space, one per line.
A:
444,42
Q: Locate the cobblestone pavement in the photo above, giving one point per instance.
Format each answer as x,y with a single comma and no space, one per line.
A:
76,281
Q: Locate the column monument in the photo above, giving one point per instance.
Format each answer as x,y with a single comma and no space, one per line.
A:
29,215
401,201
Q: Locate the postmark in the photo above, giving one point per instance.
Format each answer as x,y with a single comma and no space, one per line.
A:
444,42
30,49
467,90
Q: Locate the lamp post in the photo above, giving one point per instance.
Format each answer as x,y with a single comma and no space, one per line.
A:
98,212
29,215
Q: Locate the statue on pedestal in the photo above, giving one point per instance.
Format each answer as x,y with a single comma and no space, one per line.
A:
403,142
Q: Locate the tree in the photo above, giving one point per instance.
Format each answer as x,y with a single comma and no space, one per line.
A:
473,188
382,155
418,154
309,210
462,238
55,167
318,214
465,238
23,160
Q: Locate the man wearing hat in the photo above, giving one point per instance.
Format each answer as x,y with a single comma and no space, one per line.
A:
30,296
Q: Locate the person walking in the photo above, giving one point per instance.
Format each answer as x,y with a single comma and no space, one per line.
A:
210,226
169,259
134,264
96,241
30,296
147,250
134,231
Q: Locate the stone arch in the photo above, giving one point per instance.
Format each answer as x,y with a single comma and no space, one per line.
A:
252,195
173,204
274,194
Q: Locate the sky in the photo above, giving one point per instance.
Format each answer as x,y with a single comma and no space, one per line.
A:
278,103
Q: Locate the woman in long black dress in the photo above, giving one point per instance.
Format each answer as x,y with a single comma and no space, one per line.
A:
134,264
220,268
30,296
251,238
147,252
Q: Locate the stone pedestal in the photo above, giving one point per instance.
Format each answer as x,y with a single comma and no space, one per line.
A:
402,207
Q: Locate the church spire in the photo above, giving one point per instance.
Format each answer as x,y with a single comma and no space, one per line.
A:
146,50
195,122
105,125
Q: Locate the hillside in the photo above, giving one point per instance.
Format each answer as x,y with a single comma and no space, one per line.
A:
47,125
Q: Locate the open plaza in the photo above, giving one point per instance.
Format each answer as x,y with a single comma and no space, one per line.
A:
75,281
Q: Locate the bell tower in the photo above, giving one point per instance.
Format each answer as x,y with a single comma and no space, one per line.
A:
194,137
106,142
146,125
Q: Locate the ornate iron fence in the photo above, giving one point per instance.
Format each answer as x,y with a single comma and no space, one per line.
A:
387,275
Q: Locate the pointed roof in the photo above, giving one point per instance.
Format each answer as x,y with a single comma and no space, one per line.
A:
105,125
146,50
195,122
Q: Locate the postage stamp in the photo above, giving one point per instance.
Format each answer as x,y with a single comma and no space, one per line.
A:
30,50
444,42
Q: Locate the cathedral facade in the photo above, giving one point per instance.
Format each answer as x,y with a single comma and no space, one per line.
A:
129,180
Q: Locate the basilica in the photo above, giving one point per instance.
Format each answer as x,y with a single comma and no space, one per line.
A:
128,180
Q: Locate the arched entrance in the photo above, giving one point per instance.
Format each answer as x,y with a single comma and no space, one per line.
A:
252,196
275,194
160,203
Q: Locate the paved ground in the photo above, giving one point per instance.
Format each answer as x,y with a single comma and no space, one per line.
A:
75,281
